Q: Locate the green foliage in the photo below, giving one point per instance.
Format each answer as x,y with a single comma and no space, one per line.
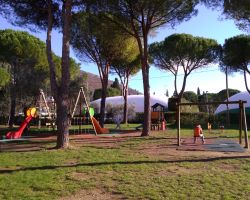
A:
111,92
32,14
25,55
184,52
139,19
4,77
97,94
155,13
188,120
128,63
222,95
190,96
188,109
91,44
239,10
177,49
14,49
198,91
236,56
236,53
115,110
116,84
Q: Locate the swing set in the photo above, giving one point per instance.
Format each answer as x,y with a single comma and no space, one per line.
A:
242,119
86,116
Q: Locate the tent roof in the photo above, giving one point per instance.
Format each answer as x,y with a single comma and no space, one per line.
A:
135,100
244,96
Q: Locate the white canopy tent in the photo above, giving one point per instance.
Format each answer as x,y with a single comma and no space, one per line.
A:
243,96
133,100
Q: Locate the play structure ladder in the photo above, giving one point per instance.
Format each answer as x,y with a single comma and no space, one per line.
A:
42,99
81,91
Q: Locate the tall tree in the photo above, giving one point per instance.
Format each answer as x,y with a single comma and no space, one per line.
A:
48,15
100,47
238,10
125,67
184,53
222,95
236,56
116,84
167,95
190,96
4,77
198,92
139,19
26,58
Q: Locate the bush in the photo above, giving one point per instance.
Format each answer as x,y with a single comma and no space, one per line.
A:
114,110
111,92
172,106
188,120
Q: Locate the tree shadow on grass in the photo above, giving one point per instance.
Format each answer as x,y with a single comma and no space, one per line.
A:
98,164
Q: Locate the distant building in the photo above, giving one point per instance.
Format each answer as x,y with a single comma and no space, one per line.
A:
137,101
234,108
221,111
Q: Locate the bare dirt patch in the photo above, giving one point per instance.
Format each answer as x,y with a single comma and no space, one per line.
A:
169,151
93,194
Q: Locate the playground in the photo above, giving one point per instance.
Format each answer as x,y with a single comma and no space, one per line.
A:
115,162
137,100
125,166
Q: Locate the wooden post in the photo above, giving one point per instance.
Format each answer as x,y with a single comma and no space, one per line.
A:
245,126
178,125
87,106
40,110
91,119
78,97
241,121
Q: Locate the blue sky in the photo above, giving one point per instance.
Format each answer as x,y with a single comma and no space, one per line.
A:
205,24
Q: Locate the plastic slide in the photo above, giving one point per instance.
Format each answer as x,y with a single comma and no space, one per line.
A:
98,128
31,112
19,132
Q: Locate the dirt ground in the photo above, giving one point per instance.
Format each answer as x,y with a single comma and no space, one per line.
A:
166,149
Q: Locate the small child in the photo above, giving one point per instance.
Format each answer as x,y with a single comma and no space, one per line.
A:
209,127
118,119
198,133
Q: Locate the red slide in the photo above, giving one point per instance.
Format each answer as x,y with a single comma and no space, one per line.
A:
19,132
98,128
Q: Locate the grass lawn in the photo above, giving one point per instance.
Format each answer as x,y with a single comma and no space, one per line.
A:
128,168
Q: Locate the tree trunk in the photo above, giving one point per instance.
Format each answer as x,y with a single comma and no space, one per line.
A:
125,108
227,92
147,108
12,96
125,96
62,122
63,100
12,107
245,80
53,83
145,76
60,93
103,99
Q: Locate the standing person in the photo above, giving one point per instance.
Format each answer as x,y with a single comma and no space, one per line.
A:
198,132
118,119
